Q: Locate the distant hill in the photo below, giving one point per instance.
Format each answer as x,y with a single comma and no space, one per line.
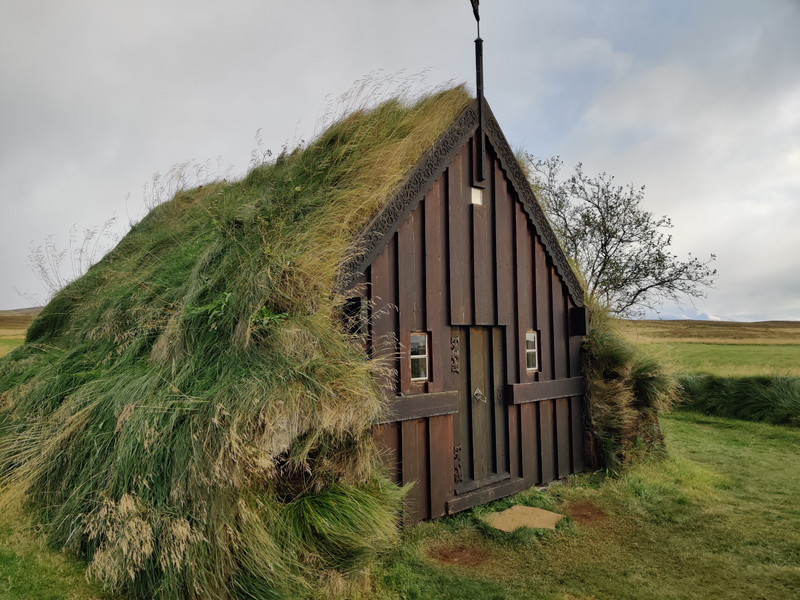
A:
17,319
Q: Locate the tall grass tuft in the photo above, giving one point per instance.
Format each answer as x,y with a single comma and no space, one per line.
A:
767,398
627,390
192,415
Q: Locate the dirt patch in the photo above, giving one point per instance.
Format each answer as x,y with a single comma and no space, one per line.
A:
462,556
585,512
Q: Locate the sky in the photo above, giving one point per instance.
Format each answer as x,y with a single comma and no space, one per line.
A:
698,100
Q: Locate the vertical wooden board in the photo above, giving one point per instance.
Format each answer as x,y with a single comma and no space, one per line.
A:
547,450
543,310
514,451
560,326
499,420
575,348
563,434
411,290
484,256
529,442
505,226
414,463
440,430
460,240
480,384
483,260
576,418
524,288
383,300
436,283
387,438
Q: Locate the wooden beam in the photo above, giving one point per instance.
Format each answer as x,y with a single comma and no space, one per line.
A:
419,406
547,390
486,494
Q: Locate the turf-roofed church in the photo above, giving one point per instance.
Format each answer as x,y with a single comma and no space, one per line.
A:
470,295
209,410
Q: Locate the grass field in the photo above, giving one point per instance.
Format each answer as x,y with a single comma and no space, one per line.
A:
13,324
721,348
718,517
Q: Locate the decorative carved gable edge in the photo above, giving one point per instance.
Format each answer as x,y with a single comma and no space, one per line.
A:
407,196
428,169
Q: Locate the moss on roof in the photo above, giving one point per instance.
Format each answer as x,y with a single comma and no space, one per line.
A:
191,415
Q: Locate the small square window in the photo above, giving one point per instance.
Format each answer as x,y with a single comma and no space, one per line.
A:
419,356
532,350
477,196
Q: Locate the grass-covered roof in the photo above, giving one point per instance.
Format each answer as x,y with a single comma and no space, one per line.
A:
191,415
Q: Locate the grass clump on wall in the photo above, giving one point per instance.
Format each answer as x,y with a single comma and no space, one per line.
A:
192,416
627,389
769,398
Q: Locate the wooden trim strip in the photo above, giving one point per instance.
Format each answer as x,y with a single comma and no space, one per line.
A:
468,486
486,494
419,406
535,391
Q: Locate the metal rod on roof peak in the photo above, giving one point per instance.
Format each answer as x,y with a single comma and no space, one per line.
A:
480,147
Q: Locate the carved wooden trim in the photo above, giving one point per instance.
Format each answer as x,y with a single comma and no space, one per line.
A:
535,391
458,469
406,197
455,354
418,406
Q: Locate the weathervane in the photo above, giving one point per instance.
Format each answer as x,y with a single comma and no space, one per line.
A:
479,150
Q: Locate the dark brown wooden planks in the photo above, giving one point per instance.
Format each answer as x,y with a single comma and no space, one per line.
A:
440,429
480,401
483,257
460,237
385,326
414,451
410,290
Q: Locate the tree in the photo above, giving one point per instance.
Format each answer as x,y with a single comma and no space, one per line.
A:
620,249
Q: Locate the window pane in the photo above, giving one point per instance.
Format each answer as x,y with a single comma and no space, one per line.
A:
419,368
530,340
531,360
419,345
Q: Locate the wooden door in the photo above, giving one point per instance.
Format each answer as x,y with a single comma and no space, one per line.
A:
481,424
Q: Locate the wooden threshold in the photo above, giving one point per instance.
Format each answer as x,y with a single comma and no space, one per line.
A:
486,494
468,486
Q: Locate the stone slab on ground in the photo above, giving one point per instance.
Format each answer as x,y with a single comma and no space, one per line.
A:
523,516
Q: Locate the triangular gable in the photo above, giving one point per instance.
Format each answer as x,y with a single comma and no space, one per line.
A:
422,178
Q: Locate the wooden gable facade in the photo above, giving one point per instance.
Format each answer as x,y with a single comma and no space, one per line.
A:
488,400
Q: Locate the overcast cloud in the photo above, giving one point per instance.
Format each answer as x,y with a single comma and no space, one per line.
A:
699,100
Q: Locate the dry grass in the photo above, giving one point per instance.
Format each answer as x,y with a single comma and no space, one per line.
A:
192,415
712,332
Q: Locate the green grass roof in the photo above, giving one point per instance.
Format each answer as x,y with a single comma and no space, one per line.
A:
191,415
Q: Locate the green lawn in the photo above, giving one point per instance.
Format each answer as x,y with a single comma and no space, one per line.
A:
29,570
718,518
7,345
733,359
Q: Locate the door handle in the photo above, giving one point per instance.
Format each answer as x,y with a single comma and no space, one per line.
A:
479,395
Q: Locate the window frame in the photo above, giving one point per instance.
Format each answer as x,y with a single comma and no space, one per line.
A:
426,356
532,351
